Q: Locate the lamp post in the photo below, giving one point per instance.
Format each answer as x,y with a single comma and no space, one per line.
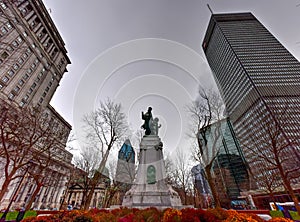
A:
2,219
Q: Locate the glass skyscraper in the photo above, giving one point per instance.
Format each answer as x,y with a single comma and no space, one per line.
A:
259,80
229,167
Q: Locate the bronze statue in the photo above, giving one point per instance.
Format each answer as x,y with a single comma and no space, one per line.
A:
147,117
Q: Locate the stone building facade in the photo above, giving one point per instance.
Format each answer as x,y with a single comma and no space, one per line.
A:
33,59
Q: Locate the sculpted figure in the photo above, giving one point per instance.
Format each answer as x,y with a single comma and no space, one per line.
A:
155,126
148,118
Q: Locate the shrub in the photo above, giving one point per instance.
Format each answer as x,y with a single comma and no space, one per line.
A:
207,216
83,218
241,217
189,214
220,213
151,214
294,215
106,217
276,213
171,215
280,219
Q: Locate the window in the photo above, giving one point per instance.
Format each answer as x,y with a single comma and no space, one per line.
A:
20,61
10,49
21,103
24,11
47,89
26,97
29,71
3,5
11,96
17,89
15,44
20,39
3,30
41,100
16,66
33,85
4,55
40,35
25,34
25,55
21,82
33,24
33,65
5,79
1,86
8,25
10,72
26,76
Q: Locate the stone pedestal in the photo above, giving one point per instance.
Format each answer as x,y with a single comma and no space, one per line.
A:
150,188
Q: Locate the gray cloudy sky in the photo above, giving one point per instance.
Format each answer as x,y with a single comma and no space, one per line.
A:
142,52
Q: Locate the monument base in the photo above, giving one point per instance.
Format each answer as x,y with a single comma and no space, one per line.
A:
150,188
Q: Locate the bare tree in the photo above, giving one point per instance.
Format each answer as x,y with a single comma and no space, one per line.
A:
87,161
107,127
272,151
181,175
27,136
268,182
205,111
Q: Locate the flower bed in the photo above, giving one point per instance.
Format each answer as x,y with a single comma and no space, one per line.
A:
152,215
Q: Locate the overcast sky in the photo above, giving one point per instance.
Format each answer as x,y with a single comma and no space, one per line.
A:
142,52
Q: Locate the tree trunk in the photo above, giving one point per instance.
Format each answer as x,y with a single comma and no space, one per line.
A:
5,185
36,191
212,185
95,181
292,193
289,188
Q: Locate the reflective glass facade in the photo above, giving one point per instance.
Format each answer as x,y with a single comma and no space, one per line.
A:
260,83
230,168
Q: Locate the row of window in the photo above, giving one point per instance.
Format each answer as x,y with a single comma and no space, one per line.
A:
11,72
6,28
36,26
10,48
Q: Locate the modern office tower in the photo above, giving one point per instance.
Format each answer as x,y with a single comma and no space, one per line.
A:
260,84
229,167
33,60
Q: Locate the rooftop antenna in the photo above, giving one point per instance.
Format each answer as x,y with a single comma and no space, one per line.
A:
209,8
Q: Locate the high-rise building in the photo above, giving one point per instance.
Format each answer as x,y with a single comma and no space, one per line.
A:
259,80
230,168
33,59
125,172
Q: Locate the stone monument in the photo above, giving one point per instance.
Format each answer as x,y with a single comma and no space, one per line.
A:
150,188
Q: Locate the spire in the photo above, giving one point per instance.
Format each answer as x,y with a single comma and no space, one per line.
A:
208,6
